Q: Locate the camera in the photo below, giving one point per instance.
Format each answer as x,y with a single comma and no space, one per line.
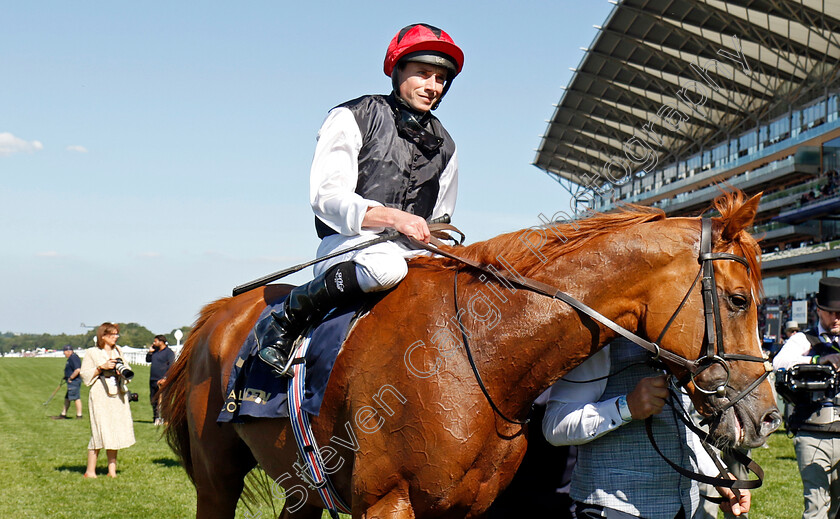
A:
807,383
133,397
123,370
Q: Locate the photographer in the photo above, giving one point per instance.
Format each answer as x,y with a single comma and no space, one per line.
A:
105,371
161,358
816,421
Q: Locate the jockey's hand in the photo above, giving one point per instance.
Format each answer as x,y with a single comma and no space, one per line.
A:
408,224
413,226
733,505
832,358
648,397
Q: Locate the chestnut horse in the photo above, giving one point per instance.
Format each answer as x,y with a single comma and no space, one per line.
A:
405,429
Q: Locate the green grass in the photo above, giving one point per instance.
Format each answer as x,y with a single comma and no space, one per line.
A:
42,460
780,497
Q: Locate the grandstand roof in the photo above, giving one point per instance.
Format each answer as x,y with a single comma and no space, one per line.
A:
771,55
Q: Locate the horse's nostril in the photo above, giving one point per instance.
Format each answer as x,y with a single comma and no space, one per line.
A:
771,422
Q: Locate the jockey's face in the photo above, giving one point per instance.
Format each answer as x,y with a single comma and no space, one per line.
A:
421,85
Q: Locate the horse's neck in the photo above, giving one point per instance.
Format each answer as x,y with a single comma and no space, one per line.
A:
539,339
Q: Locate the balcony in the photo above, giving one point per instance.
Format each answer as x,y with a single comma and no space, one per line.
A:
675,186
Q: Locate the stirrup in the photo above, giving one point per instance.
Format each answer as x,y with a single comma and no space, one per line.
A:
290,362
287,370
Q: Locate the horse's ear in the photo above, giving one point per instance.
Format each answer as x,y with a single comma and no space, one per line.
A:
741,219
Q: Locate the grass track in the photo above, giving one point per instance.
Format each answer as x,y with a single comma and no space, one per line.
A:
42,460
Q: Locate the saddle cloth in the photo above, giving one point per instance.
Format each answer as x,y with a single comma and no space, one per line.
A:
255,390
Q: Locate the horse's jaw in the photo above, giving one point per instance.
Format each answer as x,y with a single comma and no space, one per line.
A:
742,427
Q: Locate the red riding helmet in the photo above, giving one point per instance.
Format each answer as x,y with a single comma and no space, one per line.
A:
427,44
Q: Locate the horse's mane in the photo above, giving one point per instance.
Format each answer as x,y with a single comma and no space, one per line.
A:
563,238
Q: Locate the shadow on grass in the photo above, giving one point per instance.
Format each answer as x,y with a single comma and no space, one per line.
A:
72,468
144,421
166,462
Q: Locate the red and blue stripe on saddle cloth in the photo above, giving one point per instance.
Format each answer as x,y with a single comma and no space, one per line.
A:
306,440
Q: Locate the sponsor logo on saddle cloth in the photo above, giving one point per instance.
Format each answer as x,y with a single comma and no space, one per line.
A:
255,390
248,394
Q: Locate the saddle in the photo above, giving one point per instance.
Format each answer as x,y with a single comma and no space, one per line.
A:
255,390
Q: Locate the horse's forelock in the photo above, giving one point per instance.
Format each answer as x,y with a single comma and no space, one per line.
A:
728,204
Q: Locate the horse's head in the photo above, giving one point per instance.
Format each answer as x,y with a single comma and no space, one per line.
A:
717,328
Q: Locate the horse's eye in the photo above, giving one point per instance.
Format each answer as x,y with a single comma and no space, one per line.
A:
739,301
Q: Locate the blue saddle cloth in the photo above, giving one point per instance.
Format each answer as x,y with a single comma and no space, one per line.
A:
255,390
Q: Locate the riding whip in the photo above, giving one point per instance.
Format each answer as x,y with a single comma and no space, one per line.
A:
385,236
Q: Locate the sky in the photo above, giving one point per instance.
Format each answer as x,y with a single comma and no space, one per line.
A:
153,155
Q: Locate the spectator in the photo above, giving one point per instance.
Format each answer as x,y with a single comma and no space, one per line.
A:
816,425
605,417
110,415
74,382
791,327
160,356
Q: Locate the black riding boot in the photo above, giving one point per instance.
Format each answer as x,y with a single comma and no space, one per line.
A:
307,304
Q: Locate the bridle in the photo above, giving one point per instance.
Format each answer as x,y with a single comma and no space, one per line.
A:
713,351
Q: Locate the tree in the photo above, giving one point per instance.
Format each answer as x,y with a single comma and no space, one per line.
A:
131,334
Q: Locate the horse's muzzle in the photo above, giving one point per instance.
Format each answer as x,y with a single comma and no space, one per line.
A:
770,422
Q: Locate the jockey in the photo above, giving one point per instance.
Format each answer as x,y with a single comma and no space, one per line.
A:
381,162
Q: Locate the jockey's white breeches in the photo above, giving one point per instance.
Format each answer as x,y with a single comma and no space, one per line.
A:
378,267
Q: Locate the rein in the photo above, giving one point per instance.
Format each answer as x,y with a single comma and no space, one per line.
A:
713,351
474,367
703,436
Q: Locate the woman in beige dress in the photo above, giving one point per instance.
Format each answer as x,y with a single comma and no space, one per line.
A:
110,415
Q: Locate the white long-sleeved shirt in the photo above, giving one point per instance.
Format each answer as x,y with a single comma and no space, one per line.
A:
335,172
574,415
795,351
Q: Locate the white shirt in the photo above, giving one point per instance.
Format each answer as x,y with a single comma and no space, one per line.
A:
335,173
795,351
574,415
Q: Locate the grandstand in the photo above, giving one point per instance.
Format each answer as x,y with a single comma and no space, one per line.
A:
674,97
